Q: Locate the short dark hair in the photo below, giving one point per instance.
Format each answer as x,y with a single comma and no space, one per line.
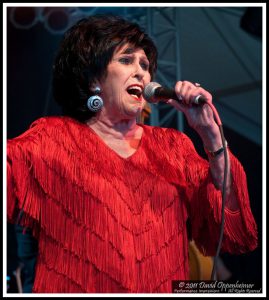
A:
84,54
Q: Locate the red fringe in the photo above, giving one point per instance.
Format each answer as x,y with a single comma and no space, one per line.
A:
240,230
107,224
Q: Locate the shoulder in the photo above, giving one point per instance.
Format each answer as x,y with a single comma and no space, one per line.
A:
52,122
166,134
44,125
42,131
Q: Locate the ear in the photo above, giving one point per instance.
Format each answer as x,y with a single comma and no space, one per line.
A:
95,87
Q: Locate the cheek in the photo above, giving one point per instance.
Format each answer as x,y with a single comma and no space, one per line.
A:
147,79
112,87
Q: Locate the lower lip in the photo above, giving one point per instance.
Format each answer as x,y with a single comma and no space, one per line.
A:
137,99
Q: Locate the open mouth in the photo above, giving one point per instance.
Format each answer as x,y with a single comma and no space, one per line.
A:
135,91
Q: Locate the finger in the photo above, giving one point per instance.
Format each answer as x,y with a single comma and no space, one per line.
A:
185,89
177,88
189,92
202,92
192,93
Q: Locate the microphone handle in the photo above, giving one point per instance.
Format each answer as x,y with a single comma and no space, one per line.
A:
162,94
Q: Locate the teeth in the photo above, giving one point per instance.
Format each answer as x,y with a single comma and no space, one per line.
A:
135,91
136,88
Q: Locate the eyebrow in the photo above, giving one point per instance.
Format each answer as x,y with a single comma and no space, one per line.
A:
130,50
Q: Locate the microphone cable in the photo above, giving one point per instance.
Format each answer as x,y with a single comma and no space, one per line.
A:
225,177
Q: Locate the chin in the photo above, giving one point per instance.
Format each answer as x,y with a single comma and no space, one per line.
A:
133,114
134,110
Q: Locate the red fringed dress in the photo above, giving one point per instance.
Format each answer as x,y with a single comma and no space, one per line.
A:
109,224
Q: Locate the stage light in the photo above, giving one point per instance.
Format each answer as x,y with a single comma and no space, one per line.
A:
57,20
23,17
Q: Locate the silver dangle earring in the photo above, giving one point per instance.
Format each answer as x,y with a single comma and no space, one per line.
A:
95,102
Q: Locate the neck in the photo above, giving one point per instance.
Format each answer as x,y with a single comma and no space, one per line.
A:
121,129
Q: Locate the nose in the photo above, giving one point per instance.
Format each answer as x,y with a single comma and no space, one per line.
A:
139,72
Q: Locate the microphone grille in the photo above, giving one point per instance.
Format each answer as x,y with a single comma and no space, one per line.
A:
148,92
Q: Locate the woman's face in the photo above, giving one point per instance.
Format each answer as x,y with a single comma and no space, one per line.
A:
121,89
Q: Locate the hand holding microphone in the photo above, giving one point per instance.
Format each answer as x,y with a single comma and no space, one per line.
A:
187,97
155,93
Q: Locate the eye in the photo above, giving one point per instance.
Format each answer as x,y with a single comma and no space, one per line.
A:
125,60
144,66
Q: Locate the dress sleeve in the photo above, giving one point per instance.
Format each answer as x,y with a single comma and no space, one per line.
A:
240,229
23,194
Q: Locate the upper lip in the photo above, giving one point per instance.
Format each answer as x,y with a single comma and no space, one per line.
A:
136,85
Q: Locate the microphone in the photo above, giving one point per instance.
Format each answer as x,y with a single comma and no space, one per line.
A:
154,93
